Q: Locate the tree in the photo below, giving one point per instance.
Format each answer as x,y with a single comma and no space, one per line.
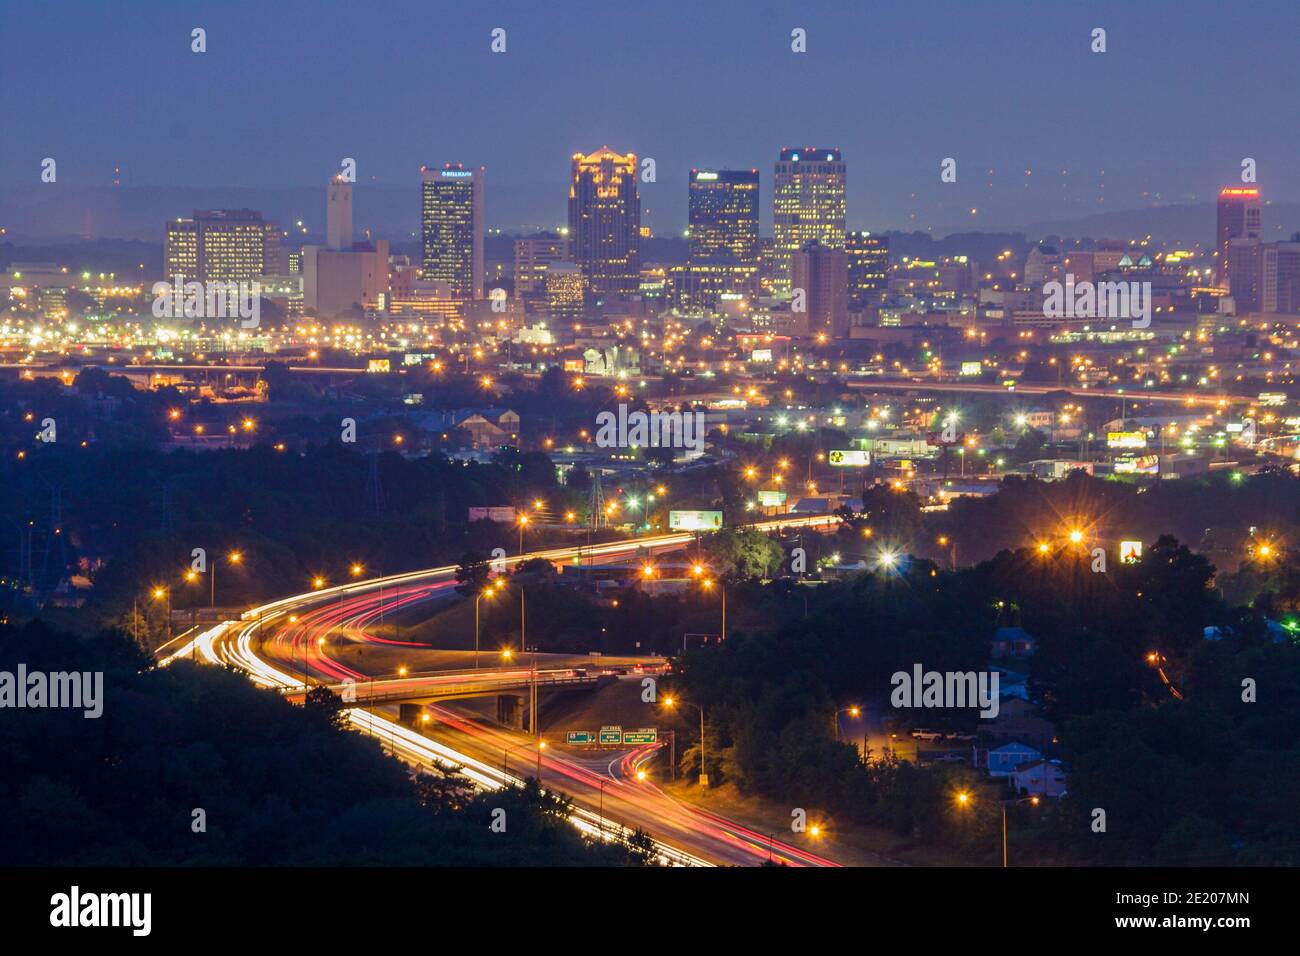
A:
323,704
472,573
743,554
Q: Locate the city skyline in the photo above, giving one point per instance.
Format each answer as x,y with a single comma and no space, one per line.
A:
709,119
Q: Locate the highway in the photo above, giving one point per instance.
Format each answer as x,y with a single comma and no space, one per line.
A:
296,642
1188,397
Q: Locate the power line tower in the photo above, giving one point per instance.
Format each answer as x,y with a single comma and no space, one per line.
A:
54,534
597,502
373,496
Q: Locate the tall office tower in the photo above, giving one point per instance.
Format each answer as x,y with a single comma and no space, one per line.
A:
823,274
723,214
532,255
226,245
605,221
451,218
1281,277
808,203
1244,268
1239,217
338,215
868,265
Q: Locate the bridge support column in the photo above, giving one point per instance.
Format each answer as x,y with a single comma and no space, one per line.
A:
510,710
410,715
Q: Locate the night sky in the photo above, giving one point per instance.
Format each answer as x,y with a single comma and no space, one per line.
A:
287,89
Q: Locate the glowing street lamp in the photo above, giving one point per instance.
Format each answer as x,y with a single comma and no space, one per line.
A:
671,702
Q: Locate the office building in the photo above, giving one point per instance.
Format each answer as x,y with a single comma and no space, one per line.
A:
451,223
605,222
723,214
1280,284
822,273
808,204
566,287
868,267
224,245
532,255
1239,216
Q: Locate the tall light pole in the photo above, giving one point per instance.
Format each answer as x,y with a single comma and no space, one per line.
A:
853,711
671,702
523,520
162,593
477,598
234,558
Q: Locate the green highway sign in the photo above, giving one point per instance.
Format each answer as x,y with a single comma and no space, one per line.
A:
611,735
646,735
579,737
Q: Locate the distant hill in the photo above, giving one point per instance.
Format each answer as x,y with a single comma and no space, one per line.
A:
1182,225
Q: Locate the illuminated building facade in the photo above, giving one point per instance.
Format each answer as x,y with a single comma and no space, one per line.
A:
451,222
808,204
532,255
868,267
723,214
605,221
1239,216
566,286
224,245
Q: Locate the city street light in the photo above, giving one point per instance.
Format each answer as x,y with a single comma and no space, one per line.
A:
234,557
489,591
707,584
523,520
159,593
853,711
672,702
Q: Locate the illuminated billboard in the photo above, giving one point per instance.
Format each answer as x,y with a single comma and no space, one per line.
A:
694,520
972,368
771,499
849,458
1138,465
1126,439
1130,552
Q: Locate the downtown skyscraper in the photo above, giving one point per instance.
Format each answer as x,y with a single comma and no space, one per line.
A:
1238,215
605,221
451,224
723,214
868,267
808,205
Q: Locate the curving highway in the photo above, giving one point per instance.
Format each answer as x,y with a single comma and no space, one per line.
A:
296,642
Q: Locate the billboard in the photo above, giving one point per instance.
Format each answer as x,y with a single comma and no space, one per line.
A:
1126,439
1138,465
379,365
771,499
849,458
505,514
694,520
972,368
1130,552
760,355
